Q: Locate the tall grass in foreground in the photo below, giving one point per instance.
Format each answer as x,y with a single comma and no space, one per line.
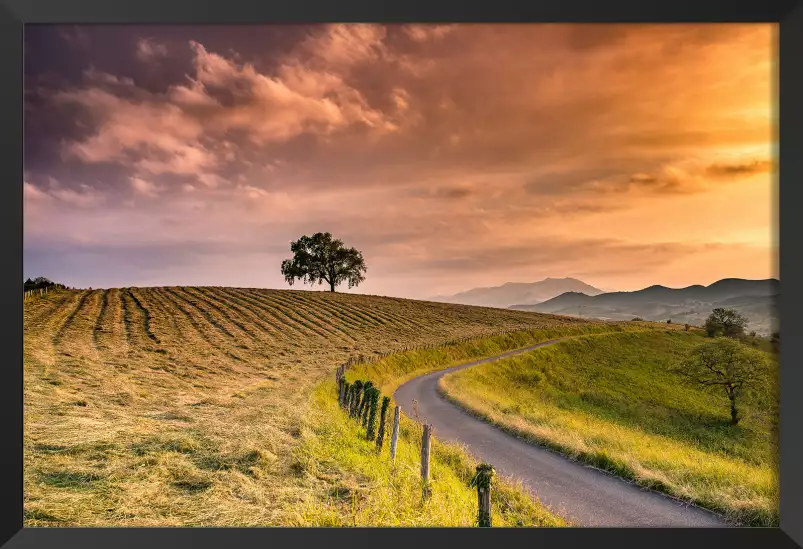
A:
186,406
367,489
610,401
190,406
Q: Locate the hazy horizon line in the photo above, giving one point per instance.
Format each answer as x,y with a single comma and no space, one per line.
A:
321,288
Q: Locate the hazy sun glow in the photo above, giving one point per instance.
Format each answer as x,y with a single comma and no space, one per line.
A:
453,156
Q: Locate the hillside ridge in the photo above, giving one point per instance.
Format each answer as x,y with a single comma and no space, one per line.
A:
756,299
511,293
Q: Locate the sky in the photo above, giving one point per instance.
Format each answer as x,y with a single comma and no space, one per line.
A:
451,156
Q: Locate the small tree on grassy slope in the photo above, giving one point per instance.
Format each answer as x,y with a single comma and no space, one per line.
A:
320,258
725,322
726,364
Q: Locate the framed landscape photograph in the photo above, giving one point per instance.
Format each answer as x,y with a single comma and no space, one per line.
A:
412,272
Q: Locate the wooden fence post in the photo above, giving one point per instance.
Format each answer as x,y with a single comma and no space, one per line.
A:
426,447
366,410
394,437
366,389
355,400
373,404
483,480
341,392
380,437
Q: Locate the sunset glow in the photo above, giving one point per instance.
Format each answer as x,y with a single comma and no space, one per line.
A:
452,156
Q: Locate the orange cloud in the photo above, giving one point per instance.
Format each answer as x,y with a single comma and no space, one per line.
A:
145,188
148,49
597,149
739,170
423,33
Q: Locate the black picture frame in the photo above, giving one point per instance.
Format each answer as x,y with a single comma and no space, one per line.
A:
15,14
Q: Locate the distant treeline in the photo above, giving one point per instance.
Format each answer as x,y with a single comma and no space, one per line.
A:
40,283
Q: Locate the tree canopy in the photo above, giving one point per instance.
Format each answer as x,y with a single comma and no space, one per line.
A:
725,322
320,258
40,282
727,364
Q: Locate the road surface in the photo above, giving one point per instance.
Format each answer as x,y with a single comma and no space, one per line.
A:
584,495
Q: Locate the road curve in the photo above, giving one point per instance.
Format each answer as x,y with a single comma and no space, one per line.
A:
584,495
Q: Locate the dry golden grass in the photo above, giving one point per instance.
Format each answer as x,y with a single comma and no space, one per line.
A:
196,406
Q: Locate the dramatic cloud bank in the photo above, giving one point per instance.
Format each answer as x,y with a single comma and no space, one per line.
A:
453,156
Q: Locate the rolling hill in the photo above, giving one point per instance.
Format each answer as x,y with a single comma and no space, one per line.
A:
195,406
513,293
614,402
755,299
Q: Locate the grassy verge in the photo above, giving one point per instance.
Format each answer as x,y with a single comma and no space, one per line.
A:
393,371
363,488
611,402
360,487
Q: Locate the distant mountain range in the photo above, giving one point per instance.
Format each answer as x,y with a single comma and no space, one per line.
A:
757,300
519,293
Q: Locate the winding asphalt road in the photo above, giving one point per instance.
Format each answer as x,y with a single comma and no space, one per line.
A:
584,495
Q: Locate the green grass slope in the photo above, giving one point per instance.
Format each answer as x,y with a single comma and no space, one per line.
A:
199,406
610,401
395,498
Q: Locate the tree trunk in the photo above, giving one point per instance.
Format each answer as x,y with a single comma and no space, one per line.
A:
734,413
331,286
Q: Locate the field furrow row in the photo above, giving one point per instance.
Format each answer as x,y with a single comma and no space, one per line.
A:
405,316
350,321
104,305
308,314
210,326
201,336
351,308
270,304
186,297
127,318
70,317
162,318
146,316
38,311
253,314
232,312
111,335
285,325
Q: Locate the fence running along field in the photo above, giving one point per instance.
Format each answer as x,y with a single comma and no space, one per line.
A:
363,397
38,292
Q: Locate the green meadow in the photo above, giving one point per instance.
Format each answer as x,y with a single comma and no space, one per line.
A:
612,401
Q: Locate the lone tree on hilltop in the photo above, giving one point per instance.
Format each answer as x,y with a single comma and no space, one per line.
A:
320,258
728,364
725,322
